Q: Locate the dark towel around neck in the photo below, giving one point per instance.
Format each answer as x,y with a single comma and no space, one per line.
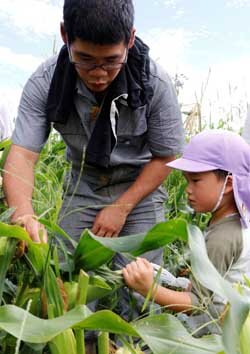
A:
132,79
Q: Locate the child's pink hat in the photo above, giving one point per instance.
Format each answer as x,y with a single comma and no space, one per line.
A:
219,149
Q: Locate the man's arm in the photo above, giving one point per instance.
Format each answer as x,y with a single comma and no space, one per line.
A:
18,184
111,219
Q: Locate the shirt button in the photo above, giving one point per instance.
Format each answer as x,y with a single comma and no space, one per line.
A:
104,179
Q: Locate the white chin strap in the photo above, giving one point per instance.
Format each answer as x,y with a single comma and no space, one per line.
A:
220,196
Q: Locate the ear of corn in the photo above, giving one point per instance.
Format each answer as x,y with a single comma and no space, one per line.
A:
81,297
103,343
64,343
57,301
53,292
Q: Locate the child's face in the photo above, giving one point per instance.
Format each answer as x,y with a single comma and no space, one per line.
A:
203,190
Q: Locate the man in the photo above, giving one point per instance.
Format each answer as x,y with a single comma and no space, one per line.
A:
118,114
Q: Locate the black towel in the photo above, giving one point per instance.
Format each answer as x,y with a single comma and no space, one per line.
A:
132,79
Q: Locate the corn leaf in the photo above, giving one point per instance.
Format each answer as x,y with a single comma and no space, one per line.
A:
37,252
245,337
97,288
14,231
37,256
53,293
90,253
8,248
165,334
162,234
93,251
4,144
38,330
56,229
209,277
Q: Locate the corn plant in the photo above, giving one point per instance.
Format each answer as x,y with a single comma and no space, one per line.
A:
161,333
50,173
62,329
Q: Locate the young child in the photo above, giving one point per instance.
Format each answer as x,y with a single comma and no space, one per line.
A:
216,165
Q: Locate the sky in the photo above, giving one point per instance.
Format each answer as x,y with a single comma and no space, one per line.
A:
203,45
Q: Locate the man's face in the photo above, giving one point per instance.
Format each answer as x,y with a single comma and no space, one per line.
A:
97,65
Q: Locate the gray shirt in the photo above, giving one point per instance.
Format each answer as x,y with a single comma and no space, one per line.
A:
154,130
228,248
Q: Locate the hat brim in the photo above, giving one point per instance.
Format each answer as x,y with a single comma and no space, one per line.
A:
190,165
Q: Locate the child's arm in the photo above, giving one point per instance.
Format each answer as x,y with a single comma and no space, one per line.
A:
139,275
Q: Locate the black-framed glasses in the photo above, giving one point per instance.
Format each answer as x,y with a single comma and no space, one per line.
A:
88,66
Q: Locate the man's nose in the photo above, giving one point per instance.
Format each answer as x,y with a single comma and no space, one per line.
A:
98,71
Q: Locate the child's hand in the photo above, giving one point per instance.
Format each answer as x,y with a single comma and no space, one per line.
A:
139,275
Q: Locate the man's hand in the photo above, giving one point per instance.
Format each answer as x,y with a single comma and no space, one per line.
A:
31,224
109,221
139,275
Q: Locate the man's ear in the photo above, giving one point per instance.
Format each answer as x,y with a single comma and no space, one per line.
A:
63,33
132,38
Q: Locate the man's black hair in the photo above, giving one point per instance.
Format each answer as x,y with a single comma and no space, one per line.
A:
99,21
